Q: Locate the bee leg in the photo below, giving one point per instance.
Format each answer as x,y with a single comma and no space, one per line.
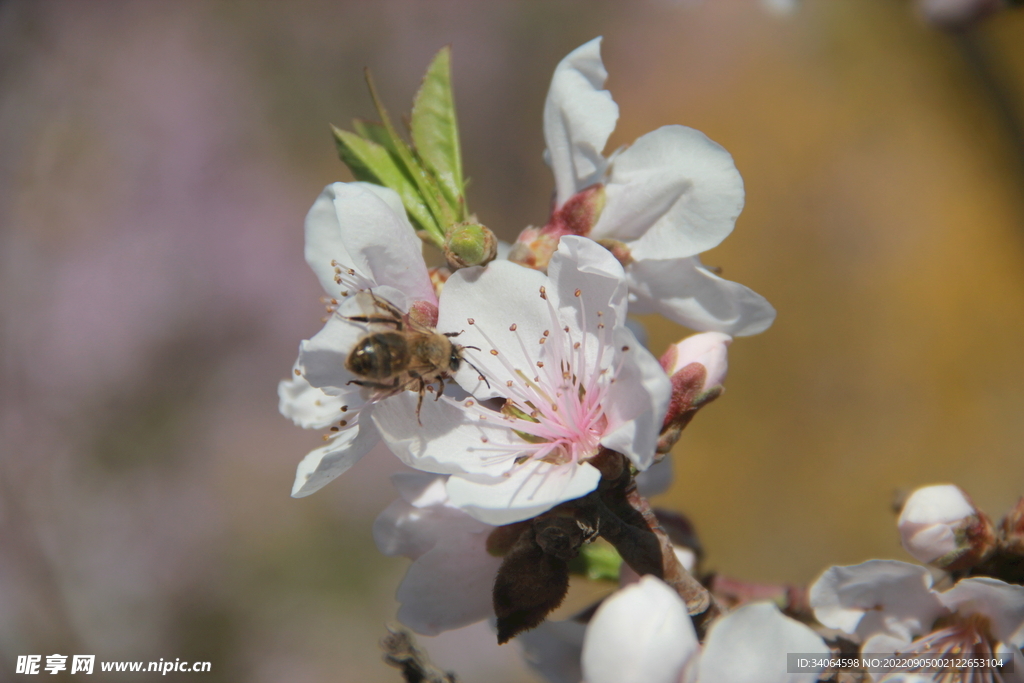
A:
452,334
440,388
419,401
373,319
386,305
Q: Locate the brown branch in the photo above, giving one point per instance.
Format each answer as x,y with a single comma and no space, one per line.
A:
401,652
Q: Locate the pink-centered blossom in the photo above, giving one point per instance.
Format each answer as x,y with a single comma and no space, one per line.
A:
358,239
656,204
555,376
891,607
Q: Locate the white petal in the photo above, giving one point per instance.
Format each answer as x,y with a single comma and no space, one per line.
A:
307,406
420,489
494,298
553,650
322,358
450,586
364,227
656,479
406,528
584,265
527,491
323,465
578,118
446,438
686,292
673,191
750,645
877,596
884,644
1002,603
641,634
636,403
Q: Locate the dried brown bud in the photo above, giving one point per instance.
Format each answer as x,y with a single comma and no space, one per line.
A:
530,584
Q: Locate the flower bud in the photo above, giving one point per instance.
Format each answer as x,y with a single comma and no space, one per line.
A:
1013,529
469,244
577,216
939,525
696,367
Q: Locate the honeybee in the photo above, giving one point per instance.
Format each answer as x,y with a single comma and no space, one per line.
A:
410,357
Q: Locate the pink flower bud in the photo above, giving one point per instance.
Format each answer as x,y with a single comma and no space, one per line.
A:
696,366
710,349
577,216
939,525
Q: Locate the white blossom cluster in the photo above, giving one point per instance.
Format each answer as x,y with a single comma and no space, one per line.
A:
502,387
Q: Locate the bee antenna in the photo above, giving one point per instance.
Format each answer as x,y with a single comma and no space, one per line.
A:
475,348
477,369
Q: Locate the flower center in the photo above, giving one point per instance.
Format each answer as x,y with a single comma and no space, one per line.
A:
556,403
967,638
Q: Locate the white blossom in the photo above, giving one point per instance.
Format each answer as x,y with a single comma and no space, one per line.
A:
891,607
643,634
660,202
449,582
358,238
555,375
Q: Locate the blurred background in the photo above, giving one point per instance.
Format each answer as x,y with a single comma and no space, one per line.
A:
156,163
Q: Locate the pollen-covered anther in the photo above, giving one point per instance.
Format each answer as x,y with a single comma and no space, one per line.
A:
543,292
577,294
512,327
494,352
540,364
508,383
470,403
298,373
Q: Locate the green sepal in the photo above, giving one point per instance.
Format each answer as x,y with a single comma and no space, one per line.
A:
597,561
435,130
372,162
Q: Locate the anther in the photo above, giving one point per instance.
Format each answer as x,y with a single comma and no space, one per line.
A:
335,301
508,383
483,439
577,293
542,340
470,321
327,437
494,352
343,423
543,292
298,372
469,403
344,409
481,378
547,332
334,262
337,271
625,348
540,364
566,329
600,326
512,327
576,345
351,272
345,293
334,429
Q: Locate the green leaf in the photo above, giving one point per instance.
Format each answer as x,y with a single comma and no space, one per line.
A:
435,131
374,132
428,186
373,163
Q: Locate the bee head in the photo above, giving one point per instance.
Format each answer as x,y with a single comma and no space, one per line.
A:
455,359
